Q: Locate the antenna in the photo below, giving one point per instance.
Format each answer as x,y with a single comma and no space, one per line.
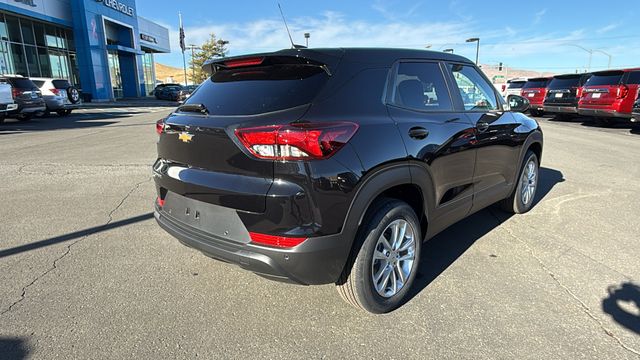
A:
293,46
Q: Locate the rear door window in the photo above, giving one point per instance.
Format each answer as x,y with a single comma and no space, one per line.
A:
606,78
61,84
477,93
259,89
421,86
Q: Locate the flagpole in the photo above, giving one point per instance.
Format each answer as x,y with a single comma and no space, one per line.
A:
184,60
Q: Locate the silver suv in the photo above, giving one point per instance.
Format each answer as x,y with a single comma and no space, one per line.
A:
59,95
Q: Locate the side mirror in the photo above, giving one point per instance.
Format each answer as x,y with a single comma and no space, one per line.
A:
518,103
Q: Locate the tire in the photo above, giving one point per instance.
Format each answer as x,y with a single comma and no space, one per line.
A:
63,112
536,112
356,284
73,94
518,202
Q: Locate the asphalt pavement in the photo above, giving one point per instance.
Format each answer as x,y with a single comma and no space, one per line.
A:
85,272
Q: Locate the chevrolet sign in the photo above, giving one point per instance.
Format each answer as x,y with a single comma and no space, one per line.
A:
116,5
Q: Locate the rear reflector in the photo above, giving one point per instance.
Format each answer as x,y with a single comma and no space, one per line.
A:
160,201
244,62
275,241
296,141
56,92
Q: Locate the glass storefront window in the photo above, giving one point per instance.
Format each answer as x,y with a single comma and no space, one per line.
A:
4,35
14,28
39,34
45,64
32,61
6,60
148,71
19,63
27,31
52,39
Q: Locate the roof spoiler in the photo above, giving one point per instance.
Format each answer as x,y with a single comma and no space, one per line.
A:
328,60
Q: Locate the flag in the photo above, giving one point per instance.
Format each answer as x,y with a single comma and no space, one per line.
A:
182,46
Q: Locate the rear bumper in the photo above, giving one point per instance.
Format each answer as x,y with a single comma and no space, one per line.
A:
602,113
317,260
560,109
8,107
54,104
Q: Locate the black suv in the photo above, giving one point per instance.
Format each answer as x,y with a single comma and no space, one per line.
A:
334,165
27,95
563,94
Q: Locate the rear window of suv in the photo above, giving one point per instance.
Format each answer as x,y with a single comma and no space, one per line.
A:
605,78
516,85
533,84
21,83
61,84
260,89
567,82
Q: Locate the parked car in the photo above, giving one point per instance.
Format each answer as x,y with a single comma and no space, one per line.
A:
160,87
610,94
26,95
289,165
186,92
6,100
59,95
171,92
563,93
513,87
535,90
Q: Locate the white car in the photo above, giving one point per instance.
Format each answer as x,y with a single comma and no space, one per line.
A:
59,95
6,100
514,87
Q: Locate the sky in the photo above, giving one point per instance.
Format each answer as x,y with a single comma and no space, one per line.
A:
535,35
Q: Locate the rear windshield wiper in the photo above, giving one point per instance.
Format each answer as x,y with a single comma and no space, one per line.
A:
197,108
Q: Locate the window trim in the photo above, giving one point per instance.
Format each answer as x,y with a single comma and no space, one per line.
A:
391,86
500,103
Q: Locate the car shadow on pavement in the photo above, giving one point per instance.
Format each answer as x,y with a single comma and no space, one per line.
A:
73,235
12,348
72,121
619,305
444,249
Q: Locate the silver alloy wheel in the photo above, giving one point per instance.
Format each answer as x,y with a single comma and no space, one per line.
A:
393,258
528,182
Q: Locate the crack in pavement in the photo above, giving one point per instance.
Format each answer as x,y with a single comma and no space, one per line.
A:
555,278
68,249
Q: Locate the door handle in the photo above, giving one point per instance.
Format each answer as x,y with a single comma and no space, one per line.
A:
418,133
482,126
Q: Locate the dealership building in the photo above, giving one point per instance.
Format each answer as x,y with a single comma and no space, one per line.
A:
101,46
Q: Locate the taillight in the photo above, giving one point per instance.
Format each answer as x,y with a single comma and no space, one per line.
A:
296,141
160,126
56,92
160,201
504,87
622,91
244,62
16,93
579,92
275,241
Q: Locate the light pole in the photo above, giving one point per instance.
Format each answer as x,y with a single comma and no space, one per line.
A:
591,51
306,38
448,51
477,41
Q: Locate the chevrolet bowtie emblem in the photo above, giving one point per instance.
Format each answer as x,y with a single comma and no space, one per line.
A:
185,137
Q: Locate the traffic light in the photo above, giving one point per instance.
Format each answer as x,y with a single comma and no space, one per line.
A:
500,67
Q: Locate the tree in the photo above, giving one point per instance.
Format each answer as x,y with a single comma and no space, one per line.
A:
211,48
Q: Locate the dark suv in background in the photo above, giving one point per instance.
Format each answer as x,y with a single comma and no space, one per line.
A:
27,95
334,165
563,93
